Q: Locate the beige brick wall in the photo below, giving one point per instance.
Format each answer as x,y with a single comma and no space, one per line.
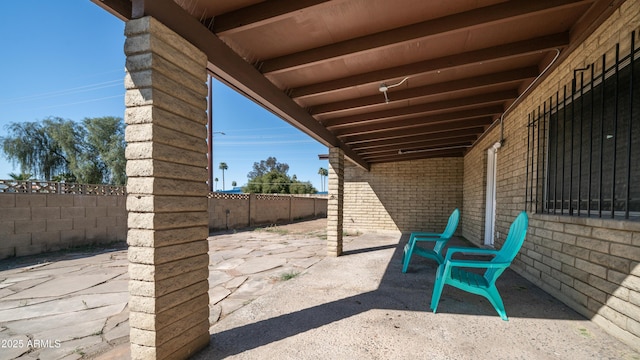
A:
36,223
277,210
592,265
403,196
234,211
166,192
230,212
335,203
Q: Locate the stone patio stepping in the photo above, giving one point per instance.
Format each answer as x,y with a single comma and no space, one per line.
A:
62,286
81,299
257,265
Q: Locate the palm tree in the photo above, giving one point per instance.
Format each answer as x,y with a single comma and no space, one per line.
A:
323,173
223,166
20,177
216,181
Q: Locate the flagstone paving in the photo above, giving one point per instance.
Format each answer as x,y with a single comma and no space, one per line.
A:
73,305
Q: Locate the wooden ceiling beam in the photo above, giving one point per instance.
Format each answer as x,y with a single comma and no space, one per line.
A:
448,147
259,14
443,137
422,109
421,155
119,8
234,71
419,121
477,82
477,124
462,140
495,53
453,23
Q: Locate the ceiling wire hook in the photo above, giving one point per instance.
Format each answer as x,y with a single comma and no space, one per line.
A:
384,88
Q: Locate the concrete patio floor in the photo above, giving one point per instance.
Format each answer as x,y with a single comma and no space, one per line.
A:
274,294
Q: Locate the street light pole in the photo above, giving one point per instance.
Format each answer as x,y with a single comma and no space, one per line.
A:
210,132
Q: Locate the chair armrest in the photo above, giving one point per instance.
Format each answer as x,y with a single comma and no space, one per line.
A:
429,234
470,250
483,264
426,236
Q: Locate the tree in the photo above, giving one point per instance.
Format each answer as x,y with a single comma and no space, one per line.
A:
105,141
223,166
299,187
20,177
31,145
266,166
270,177
323,173
234,183
216,181
89,152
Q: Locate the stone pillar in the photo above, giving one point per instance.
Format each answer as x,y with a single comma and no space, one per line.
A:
335,202
166,192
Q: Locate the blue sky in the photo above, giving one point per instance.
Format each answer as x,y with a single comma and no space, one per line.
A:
66,60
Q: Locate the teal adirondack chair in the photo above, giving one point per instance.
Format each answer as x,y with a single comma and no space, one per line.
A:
440,240
452,271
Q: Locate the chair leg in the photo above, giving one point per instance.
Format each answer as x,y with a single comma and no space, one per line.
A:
496,300
408,251
437,288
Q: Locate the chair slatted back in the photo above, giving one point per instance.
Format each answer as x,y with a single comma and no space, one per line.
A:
511,246
449,230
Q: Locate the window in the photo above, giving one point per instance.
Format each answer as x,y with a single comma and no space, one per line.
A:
584,144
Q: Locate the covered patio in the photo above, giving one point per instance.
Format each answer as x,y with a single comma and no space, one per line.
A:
424,106
361,306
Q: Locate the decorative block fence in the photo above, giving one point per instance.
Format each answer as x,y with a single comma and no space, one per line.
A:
232,211
37,217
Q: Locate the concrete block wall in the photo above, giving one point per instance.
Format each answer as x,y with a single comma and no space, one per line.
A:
593,265
229,211
166,192
474,190
335,203
277,210
234,211
35,223
302,207
403,196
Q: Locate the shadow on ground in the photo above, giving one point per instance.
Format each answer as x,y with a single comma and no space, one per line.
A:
361,305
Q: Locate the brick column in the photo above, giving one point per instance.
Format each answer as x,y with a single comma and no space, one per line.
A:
167,192
335,202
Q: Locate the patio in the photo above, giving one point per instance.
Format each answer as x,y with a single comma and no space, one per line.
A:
424,107
358,305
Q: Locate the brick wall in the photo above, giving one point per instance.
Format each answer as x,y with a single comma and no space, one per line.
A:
35,223
593,265
233,211
403,196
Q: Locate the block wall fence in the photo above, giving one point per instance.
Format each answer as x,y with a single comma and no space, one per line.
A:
35,223
234,211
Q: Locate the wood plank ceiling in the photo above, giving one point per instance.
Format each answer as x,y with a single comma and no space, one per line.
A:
451,68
